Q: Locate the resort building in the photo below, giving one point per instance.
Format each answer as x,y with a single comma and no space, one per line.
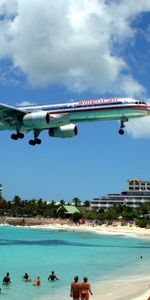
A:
138,192
138,185
67,211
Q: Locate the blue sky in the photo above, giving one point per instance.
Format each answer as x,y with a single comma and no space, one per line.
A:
54,52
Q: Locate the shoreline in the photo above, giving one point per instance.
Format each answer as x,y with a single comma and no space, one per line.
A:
115,229
133,230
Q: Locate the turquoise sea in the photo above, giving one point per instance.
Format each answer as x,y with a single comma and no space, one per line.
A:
69,253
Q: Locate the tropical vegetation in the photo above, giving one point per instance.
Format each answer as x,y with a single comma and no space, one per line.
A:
38,207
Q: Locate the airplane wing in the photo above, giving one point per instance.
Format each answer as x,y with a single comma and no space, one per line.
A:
9,115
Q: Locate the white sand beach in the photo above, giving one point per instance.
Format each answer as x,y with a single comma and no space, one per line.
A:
120,290
111,229
114,290
143,297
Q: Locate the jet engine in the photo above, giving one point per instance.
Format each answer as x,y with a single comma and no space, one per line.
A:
65,131
36,119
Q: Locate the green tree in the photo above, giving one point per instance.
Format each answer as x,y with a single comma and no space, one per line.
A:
90,215
87,203
76,201
62,202
16,201
76,216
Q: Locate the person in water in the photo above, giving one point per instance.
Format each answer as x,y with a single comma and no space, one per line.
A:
26,277
37,281
75,289
85,289
6,279
52,277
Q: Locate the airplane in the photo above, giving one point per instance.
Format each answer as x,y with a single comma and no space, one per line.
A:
60,119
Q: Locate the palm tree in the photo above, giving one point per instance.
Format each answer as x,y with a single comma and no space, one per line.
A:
76,201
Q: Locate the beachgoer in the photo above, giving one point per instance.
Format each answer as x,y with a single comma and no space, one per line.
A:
85,289
37,281
52,276
75,289
26,277
6,279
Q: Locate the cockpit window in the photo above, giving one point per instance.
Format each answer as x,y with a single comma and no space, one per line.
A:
140,102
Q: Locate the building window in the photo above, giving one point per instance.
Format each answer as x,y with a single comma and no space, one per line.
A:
131,182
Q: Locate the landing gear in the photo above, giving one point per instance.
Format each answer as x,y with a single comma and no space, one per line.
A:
121,131
122,125
18,135
36,139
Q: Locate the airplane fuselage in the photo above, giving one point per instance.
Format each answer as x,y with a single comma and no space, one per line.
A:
94,110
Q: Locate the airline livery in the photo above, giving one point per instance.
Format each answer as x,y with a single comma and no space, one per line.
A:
60,119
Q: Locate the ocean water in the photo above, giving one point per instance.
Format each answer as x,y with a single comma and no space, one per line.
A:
69,253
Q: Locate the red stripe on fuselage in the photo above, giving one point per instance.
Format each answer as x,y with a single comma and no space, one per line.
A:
87,109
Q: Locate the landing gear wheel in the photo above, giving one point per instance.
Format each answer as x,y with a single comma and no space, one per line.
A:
14,137
20,135
37,141
121,131
32,142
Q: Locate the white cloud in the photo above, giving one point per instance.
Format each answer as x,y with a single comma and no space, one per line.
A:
8,8
139,128
71,42
129,86
122,14
25,103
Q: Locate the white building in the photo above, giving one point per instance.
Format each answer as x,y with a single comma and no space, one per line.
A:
138,192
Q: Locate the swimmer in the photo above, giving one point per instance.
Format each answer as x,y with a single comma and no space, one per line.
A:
26,277
6,279
52,277
37,281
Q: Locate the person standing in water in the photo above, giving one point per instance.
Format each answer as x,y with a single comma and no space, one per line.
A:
26,277
6,279
37,281
75,289
85,289
52,277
